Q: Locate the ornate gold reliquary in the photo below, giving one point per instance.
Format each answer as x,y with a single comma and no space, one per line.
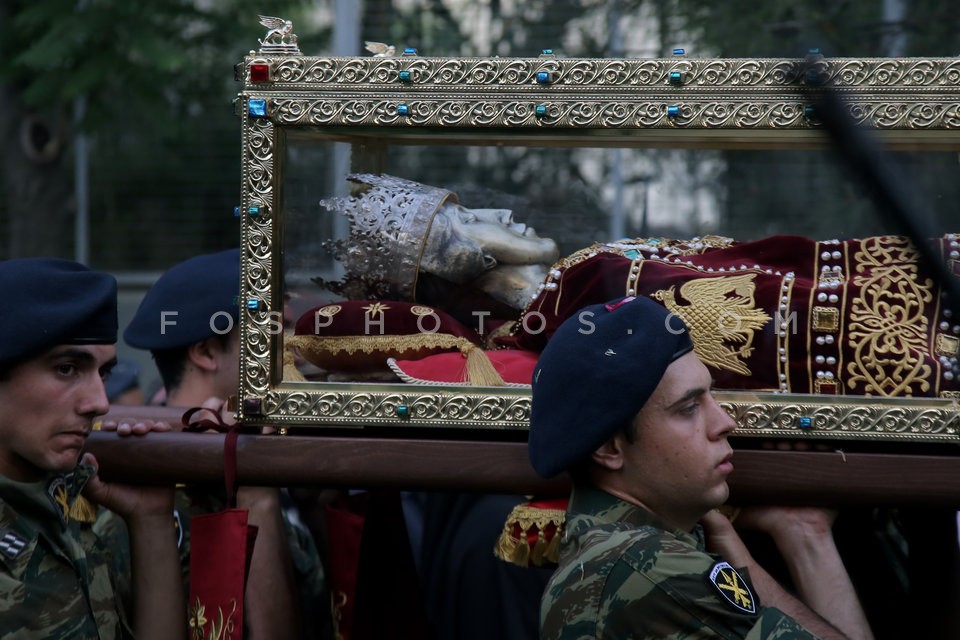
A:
414,227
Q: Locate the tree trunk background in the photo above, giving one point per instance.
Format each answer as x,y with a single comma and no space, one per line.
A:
38,206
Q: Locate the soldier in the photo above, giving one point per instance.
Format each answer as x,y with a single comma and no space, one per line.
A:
57,579
646,446
189,322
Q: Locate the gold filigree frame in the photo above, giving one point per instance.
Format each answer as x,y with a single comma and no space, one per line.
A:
913,103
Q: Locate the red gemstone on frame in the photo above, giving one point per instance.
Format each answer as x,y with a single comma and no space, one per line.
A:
259,72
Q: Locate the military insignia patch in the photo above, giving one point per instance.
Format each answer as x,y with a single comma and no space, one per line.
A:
57,492
11,544
733,587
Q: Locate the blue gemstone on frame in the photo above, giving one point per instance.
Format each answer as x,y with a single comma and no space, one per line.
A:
673,111
805,423
257,108
403,411
253,304
409,51
676,77
547,52
403,110
678,52
540,110
253,210
405,76
543,77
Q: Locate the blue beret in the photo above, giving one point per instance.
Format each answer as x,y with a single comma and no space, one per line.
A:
191,302
595,374
50,302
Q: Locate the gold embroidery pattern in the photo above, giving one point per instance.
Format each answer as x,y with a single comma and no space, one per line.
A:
419,310
722,310
826,319
947,345
887,328
220,629
375,309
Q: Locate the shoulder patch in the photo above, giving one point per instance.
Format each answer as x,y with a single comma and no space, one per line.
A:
11,543
733,587
59,498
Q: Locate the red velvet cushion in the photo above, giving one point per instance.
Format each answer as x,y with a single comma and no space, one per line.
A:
359,335
515,366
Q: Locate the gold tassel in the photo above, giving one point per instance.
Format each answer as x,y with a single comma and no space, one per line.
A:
539,549
526,518
508,547
480,371
82,510
521,552
290,371
552,554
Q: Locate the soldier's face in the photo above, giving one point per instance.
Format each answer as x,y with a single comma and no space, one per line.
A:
49,404
679,461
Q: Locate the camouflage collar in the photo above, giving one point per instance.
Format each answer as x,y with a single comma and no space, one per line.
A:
598,505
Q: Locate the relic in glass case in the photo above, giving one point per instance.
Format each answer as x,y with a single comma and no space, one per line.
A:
411,301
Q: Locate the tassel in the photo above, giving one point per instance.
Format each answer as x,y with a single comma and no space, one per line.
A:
521,552
552,554
509,548
539,549
290,371
82,510
480,371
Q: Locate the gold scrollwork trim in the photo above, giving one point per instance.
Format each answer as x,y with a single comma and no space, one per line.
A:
258,326
830,419
391,407
930,74
622,113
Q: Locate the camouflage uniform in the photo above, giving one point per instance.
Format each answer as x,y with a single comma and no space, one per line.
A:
624,574
57,578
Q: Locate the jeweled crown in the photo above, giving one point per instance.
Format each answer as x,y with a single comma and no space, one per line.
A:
390,219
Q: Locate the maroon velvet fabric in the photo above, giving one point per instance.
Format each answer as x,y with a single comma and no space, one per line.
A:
851,317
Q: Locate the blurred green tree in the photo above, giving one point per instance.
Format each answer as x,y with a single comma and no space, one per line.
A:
150,85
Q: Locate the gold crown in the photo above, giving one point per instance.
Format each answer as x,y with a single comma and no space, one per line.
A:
390,219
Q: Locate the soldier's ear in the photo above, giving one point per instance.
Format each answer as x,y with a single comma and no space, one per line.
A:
609,455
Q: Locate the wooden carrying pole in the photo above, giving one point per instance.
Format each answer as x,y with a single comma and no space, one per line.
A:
760,477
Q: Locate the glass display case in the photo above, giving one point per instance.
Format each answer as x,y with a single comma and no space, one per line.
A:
487,199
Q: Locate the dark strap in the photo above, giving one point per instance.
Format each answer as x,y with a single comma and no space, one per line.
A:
194,424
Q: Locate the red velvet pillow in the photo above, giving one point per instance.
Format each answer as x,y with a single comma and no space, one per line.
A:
515,367
359,335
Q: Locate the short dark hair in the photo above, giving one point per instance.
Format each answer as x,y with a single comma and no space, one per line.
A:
580,472
172,363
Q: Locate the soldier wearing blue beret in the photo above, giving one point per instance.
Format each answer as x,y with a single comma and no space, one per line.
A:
622,402
189,321
57,578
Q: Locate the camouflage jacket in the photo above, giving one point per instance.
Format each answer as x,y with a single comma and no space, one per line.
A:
624,574
57,579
